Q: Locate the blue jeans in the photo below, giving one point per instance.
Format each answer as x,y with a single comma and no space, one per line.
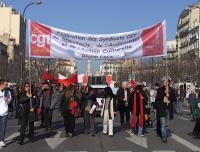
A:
179,107
140,131
175,107
3,123
164,125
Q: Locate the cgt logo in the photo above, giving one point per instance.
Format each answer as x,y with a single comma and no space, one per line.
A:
40,40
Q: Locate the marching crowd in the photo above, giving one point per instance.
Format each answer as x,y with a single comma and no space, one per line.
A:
137,106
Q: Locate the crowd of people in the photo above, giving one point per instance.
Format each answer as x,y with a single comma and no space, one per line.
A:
138,107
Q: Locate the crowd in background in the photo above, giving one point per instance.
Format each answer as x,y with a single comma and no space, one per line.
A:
138,106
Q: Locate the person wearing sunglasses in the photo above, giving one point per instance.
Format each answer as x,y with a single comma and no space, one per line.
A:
29,104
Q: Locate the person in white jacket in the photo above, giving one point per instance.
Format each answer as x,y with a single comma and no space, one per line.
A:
108,112
4,101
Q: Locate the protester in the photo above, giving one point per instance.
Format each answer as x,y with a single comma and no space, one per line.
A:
29,104
191,99
90,112
9,94
108,112
40,109
84,93
154,94
162,105
123,97
181,97
137,110
16,99
57,96
172,104
147,105
153,119
196,130
67,107
45,105
114,90
4,101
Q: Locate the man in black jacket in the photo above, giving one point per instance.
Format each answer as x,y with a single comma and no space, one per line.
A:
45,104
164,99
123,97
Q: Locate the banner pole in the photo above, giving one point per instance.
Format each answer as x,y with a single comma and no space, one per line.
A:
30,81
167,72
166,68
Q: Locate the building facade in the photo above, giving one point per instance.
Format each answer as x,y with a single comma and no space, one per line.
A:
111,68
172,52
3,60
11,35
66,67
187,36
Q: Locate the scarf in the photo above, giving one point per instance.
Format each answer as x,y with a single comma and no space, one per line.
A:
141,118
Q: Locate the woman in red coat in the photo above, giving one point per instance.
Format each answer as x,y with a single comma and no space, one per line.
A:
137,109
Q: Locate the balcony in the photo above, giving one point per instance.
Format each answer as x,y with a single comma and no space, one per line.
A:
193,39
171,50
183,33
183,23
185,44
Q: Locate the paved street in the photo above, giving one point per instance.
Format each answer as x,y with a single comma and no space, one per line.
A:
122,141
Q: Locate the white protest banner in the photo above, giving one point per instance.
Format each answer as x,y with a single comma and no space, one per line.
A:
50,42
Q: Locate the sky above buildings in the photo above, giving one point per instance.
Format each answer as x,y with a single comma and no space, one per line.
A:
104,16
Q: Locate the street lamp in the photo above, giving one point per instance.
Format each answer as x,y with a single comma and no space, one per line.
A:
32,3
24,35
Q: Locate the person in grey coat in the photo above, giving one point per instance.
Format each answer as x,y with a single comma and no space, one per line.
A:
50,98
45,104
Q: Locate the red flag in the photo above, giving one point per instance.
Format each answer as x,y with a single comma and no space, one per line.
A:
73,79
47,76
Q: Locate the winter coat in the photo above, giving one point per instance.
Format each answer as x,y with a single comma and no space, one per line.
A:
110,108
120,98
88,98
25,106
137,103
56,98
64,106
46,98
159,105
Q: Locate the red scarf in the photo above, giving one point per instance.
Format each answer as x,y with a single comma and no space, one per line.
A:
141,120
